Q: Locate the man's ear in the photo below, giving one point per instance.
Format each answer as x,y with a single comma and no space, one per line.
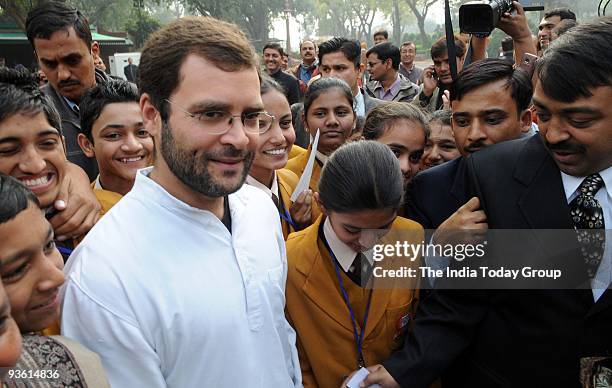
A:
150,115
525,121
86,145
360,70
95,48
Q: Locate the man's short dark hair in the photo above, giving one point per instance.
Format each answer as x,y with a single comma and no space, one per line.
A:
382,32
584,50
14,198
386,51
489,70
274,46
96,98
564,26
350,48
53,16
220,43
563,13
438,49
19,93
408,43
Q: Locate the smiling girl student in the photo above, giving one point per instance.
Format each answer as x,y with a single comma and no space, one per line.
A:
342,318
276,139
328,107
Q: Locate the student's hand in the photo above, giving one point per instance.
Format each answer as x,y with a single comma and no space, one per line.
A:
430,83
515,23
379,375
78,207
446,100
301,209
455,228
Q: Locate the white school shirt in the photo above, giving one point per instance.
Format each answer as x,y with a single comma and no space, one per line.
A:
603,276
169,298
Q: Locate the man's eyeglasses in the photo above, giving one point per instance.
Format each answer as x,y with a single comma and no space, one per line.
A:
218,122
372,64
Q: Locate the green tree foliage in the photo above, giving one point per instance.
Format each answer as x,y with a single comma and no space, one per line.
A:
140,26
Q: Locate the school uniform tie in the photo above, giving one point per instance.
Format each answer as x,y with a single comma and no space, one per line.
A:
587,216
360,269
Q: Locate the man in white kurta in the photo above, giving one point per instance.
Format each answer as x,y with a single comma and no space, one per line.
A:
182,283
168,297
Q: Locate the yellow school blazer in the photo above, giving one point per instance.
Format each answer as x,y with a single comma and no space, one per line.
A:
317,311
295,151
287,181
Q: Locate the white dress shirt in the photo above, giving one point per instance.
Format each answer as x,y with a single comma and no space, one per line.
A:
268,190
343,253
603,277
169,298
359,108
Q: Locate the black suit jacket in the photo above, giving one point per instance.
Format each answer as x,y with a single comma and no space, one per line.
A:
435,194
509,338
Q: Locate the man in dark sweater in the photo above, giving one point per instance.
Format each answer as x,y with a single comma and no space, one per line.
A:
272,56
62,41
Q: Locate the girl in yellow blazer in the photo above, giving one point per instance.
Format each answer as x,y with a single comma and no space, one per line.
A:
328,107
342,317
276,138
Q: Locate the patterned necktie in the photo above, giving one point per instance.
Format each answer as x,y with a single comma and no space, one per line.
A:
360,270
587,216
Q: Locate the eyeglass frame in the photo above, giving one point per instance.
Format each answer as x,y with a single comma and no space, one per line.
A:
242,117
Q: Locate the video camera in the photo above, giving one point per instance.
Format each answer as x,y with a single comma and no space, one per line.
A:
482,16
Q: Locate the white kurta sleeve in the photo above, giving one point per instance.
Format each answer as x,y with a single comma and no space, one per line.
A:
128,359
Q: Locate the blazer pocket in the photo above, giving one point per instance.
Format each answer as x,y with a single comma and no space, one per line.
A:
398,319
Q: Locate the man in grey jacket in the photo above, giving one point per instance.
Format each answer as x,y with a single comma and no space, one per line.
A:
386,83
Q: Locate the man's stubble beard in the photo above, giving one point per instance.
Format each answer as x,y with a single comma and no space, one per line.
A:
192,169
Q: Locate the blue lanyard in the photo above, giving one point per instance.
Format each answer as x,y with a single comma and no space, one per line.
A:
358,337
65,251
287,217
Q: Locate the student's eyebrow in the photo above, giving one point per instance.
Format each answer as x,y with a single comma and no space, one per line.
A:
219,106
584,110
538,103
112,126
493,111
396,145
48,132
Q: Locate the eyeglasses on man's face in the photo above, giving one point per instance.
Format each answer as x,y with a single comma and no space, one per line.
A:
217,122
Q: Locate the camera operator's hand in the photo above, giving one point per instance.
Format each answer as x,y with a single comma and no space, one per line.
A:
430,83
515,25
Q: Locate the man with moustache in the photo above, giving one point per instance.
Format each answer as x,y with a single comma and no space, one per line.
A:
490,102
272,56
560,180
309,67
182,283
66,53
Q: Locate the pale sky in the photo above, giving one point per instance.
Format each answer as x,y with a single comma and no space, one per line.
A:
436,14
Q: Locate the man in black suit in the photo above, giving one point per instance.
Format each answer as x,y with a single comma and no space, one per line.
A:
532,337
131,71
490,102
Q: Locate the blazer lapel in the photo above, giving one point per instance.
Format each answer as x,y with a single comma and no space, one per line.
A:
319,287
544,206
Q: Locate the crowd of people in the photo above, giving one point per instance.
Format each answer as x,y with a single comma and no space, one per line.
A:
211,224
